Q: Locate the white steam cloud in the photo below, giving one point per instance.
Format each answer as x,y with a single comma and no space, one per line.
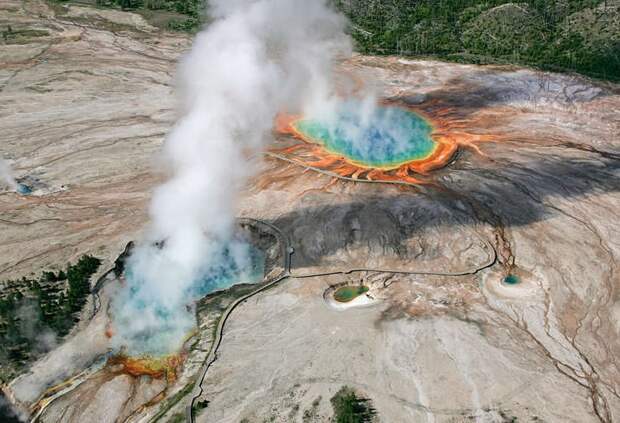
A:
257,58
7,411
370,134
6,176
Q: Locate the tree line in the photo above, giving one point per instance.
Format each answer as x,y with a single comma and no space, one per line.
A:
35,312
573,35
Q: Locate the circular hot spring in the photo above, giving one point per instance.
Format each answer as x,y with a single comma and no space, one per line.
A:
383,137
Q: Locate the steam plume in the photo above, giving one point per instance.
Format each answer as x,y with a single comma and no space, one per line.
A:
6,177
257,58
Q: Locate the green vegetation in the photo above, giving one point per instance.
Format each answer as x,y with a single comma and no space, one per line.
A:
345,294
175,15
312,414
172,401
177,418
572,35
35,312
349,408
563,35
22,35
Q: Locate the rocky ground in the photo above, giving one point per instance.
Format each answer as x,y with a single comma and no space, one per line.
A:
84,108
86,103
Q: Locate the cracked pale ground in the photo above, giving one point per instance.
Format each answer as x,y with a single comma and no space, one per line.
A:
84,111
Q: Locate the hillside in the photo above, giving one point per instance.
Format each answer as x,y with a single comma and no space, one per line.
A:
568,35
561,35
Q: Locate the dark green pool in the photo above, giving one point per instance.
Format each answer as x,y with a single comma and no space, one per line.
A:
348,293
511,280
385,138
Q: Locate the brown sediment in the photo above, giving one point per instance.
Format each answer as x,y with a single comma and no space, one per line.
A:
155,367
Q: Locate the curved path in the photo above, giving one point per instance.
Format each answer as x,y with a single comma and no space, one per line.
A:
287,252
212,356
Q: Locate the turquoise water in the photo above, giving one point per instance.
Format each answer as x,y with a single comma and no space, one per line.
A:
150,322
511,280
228,272
387,137
24,189
222,274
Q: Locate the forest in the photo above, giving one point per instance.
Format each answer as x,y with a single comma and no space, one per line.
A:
35,313
561,35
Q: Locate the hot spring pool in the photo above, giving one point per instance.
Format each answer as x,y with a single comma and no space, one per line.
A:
222,273
386,138
511,280
24,189
153,317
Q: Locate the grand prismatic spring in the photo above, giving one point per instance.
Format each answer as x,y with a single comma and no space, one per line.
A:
391,142
386,138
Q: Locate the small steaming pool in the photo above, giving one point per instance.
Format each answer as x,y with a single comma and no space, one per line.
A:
386,138
24,189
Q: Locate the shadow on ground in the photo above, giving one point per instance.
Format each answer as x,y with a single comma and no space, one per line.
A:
501,196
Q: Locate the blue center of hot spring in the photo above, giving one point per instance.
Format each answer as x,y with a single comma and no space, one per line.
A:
385,137
222,274
24,189
167,322
511,279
